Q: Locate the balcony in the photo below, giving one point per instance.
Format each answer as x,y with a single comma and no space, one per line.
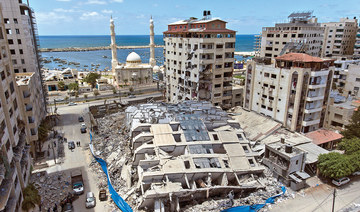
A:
228,78
309,122
314,98
227,88
317,86
313,110
320,73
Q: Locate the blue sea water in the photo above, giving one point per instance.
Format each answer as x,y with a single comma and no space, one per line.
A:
244,43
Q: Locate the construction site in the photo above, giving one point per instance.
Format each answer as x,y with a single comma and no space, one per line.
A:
189,156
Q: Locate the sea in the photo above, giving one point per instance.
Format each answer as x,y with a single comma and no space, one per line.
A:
101,59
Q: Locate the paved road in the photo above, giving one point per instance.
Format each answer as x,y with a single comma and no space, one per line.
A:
319,199
80,157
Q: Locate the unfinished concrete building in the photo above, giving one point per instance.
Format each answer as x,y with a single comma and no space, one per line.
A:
188,151
199,61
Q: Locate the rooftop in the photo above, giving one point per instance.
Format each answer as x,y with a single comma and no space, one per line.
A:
300,57
323,136
23,78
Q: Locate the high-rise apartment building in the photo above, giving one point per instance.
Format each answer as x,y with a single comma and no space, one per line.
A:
339,37
294,90
21,30
357,44
302,34
199,60
14,151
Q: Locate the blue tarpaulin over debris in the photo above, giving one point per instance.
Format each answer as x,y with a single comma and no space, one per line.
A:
257,207
120,202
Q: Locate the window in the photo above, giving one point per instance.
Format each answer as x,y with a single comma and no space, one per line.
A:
216,138
6,21
11,41
12,87
23,62
21,51
12,51
187,164
15,21
11,112
3,75
357,80
14,61
7,94
246,150
19,41
266,74
17,31
251,162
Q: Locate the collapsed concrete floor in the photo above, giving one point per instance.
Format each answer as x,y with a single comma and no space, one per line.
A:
112,143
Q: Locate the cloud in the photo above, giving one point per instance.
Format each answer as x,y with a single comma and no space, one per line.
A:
95,2
107,11
118,1
91,15
61,10
52,18
64,0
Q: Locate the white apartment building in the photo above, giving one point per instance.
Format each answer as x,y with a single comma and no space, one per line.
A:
199,60
339,37
294,90
21,30
302,34
14,151
341,71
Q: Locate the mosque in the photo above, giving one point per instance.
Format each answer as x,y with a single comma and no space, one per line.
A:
133,72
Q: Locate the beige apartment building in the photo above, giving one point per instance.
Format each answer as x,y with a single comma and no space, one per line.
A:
357,44
32,110
301,34
21,30
199,60
339,37
294,90
14,150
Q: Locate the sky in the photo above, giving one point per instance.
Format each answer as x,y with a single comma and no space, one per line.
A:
91,17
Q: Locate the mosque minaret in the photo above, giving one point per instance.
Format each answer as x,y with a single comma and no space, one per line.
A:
152,60
114,61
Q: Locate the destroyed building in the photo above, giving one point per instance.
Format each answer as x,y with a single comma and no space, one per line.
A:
286,162
187,151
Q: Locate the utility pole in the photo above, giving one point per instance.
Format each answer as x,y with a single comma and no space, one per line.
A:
334,195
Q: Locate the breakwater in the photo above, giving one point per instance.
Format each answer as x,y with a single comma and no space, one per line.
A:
83,49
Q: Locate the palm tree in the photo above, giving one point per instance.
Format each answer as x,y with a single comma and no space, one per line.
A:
146,78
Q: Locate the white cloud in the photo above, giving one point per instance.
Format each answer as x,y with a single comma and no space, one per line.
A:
95,2
107,11
91,15
52,18
64,0
61,10
118,1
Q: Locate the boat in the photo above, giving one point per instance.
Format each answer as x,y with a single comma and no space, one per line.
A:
104,56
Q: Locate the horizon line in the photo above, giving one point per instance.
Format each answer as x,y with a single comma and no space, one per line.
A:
122,35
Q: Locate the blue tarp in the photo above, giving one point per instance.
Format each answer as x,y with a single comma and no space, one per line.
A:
120,202
257,207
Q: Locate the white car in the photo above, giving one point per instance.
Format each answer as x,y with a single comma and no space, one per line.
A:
72,104
90,201
83,125
340,181
356,173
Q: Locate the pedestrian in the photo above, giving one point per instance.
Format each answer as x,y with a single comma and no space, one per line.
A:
40,206
54,143
48,146
79,143
55,208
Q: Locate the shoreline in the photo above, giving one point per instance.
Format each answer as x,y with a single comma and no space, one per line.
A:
252,53
81,49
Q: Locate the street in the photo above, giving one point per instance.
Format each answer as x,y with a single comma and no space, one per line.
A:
80,157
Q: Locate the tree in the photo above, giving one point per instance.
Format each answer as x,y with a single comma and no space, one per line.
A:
31,197
140,80
73,86
96,93
126,81
85,96
61,85
350,146
91,78
335,165
333,87
146,78
353,129
114,90
131,89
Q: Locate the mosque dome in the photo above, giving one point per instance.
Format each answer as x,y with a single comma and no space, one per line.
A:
133,58
156,69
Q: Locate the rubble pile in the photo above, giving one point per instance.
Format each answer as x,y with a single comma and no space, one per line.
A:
52,188
111,143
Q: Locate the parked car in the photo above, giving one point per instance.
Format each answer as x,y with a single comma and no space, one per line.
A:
59,100
356,173
340,181
67,207
81,119
90,200
71,145
83,125
132,96
102,195
72,104
83,129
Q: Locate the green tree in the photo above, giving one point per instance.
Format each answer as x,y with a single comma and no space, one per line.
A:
335,165
114,90
353,129
61,85
91,78
350,146
73,86
126,81
146,78
96,92
131,89
31,197
140,80
85,96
